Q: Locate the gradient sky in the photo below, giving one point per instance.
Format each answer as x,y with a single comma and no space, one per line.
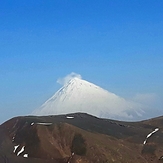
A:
116,44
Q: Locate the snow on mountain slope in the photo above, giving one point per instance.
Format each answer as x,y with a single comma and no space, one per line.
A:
81,96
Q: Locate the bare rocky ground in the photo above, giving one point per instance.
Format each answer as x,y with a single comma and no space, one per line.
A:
80,138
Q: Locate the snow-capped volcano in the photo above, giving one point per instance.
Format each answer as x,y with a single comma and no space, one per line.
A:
82,96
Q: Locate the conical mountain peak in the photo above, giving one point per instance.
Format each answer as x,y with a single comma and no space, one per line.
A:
79,95
77,81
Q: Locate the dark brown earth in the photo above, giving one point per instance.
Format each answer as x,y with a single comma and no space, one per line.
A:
82,139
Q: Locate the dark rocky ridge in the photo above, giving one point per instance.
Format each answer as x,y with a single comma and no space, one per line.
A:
79,137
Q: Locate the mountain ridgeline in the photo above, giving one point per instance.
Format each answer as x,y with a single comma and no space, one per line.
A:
80,138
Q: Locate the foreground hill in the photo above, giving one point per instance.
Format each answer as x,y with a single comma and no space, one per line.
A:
80,138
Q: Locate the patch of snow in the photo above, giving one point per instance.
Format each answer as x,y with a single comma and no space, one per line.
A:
68,117
46,124
13,138
161,158
150,134
145,141
15,147
22,150
32,123
25,155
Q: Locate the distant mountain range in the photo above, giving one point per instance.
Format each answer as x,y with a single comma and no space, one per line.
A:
82,96
80,138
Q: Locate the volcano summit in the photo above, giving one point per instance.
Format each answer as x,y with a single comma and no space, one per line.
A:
79,95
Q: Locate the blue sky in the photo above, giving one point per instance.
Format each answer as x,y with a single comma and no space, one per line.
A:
116,44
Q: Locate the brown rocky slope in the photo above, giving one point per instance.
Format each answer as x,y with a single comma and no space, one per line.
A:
80,138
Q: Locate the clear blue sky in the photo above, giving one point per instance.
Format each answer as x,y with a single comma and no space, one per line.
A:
116,44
